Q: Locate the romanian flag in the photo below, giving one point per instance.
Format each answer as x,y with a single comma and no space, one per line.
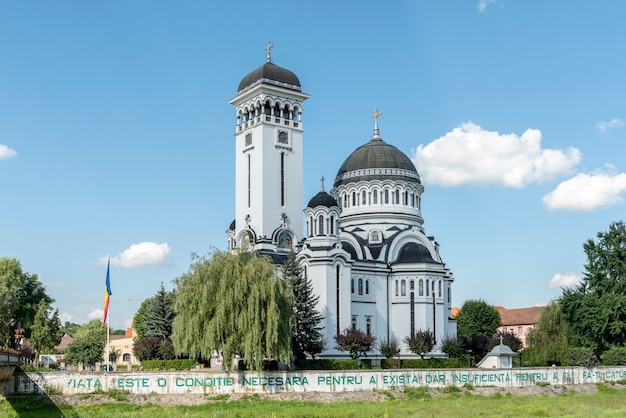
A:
107,292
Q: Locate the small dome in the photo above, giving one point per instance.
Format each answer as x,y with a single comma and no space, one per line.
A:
414,252
322,199
376,160
271,73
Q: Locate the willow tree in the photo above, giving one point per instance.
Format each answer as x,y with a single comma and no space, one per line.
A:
234,303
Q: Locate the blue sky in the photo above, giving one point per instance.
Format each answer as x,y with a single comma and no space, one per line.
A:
116,133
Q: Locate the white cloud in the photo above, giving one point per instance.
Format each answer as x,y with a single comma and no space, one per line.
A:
613,123
471,155
6,152
96,314
66,317
139,255
565,280
483,4
587,192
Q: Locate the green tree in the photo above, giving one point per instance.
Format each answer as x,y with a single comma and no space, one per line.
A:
389,348
88,346
306,338
46,332
20,294
453,347
159,315
421,342
477,318
355,342
70,328
140,318
233,302
596,309
548,342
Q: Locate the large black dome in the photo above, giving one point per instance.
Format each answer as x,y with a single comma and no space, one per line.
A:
272,74
376,160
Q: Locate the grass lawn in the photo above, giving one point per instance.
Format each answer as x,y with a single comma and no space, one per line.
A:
607,402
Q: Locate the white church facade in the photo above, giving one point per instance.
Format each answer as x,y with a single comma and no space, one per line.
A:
362,245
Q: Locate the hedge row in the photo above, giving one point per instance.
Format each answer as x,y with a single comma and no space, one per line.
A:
182,364
329,364
432,363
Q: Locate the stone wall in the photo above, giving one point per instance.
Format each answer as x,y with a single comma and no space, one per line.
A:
206,382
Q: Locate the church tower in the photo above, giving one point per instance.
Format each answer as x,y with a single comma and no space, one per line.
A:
269,159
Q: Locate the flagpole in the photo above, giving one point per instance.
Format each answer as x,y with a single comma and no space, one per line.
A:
106,315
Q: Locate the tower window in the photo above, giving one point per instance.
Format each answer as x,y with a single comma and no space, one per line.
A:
427,288
421,287
351,285
353,198
386,196
332,225
320,225
282,179
367,287
368,326
364,197
397,197
439,288
337,300
406,198
375,197
360,286
403,287
396,287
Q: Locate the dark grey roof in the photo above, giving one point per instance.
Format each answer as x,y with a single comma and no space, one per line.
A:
376,160
414,252
271,73
232,225
322,199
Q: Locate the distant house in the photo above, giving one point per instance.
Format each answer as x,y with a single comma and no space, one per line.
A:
519,321
123,344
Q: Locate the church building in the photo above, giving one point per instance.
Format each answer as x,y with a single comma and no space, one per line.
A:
362,244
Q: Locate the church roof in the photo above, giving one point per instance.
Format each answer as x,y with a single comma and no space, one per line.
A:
270,73
376,160
322,199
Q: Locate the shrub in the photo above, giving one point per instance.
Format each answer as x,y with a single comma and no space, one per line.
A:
580,356
326,364
389,348
453,347
420,342
355,342
180,364
614,356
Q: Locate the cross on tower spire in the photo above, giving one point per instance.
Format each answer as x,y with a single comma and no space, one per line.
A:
268,47
322,180
375,115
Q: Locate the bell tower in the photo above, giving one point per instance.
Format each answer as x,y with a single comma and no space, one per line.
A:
268,159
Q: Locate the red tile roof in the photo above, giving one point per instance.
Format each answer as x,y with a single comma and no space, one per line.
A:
521,316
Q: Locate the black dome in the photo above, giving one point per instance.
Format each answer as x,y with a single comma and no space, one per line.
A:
272,74
322,199
376,160
414,252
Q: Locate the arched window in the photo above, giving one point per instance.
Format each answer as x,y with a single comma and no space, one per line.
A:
403,287
320,225
439,288
363,197
345,200
360,286
386,193
353,198
311,226
412,285
427,289
412,309
397,197
397,287
375,197
126,357
353,321
367,287
368,326
332,225
351,285
421,286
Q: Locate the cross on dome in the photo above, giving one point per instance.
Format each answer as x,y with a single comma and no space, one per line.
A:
268,47
375,115
322,180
